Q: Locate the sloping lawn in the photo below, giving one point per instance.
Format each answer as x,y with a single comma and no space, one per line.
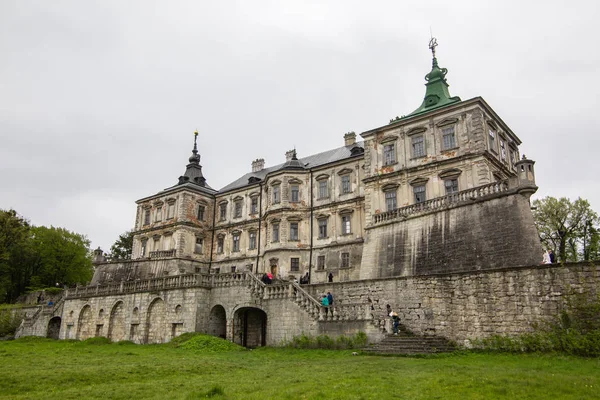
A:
46,369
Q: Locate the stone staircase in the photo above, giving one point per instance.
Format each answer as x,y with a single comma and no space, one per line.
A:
406,344
41,316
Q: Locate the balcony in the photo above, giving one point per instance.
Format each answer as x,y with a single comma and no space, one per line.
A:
439,203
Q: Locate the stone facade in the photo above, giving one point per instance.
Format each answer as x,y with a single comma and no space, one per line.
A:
425,214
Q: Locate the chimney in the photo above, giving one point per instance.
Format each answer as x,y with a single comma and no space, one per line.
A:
349,138
289,154
258,164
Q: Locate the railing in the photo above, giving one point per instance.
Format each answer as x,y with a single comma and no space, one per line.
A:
261,291
464,196
144,285
162,253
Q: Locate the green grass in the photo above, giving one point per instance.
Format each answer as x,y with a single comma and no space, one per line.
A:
47,369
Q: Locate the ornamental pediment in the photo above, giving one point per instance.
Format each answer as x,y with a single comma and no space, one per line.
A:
447,121
416,130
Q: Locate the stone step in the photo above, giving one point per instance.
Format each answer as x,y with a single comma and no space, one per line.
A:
406,344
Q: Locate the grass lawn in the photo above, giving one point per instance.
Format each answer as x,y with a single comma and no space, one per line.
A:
46,369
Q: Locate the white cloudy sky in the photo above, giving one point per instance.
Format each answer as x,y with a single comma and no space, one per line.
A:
99,99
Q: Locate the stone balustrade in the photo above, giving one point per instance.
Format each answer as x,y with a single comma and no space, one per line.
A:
453,199
162,253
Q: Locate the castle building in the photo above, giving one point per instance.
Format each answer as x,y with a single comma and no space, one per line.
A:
329,213
429,213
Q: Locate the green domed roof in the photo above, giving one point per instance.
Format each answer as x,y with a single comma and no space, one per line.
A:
436,92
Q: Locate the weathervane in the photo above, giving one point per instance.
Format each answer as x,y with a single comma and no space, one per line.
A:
432,45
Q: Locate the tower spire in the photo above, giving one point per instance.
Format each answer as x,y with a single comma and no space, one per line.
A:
436,92
193,171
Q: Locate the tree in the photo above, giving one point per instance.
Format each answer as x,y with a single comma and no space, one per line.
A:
15,235
567,226
61,256
37,257
123,247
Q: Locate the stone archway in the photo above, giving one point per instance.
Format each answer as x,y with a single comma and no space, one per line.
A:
217,322
53,328
85,330
116,323
156,325
250,327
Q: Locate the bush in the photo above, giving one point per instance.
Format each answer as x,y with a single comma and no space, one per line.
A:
9,322
325,342
204,343
576,331
97,341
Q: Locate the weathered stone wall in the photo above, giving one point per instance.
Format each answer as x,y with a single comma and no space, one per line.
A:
129,270
483,235
140,317
471,305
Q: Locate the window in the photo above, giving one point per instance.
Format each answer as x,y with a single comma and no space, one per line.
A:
346,188
147,217
323,192
293,231
448,138
390,200
201,213
322,228
419,192
295,198
502,150
294,264
236,242
275,233
233,268
321,262
252,240
171,210
345,260
492,139
223,212
346,225
418,146
389,156
451,185
220,242
276,194
198,247
143,252
158,214
238,209
254,205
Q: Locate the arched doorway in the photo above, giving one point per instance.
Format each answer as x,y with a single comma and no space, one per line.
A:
156,322
85,329
53,328
217,322
250,327
116,323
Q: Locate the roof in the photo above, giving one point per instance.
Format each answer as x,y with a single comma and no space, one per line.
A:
309,162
